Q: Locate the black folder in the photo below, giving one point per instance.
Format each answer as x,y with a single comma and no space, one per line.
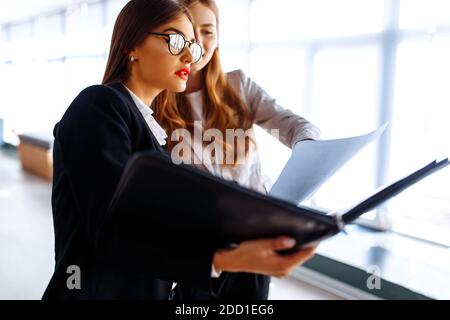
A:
187,203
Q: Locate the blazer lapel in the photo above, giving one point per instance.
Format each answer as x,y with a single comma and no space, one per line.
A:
129,100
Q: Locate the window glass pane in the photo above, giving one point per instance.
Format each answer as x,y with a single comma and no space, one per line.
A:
300,19
47,102
113,8
4,44
81,73
51,86
48,41
280,72
85,33
49,25
84,16
345,104
53,98
423,13
21,50
22,31
35,101
50,47
233,59
21,45
4,33
420,134
234,18
20,112
85,43
6,102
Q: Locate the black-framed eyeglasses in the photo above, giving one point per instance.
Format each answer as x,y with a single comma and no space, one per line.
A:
177,43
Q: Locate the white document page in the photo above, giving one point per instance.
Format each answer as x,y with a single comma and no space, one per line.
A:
314,162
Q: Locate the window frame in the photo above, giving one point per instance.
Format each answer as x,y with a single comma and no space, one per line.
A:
387,41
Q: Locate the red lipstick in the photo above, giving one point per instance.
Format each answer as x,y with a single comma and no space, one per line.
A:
183,73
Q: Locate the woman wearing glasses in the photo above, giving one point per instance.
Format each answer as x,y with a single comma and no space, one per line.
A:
102,257
231,101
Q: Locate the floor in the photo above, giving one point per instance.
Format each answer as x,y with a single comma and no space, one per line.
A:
26,232
26,239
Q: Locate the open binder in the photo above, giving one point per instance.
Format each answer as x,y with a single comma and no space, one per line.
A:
181,200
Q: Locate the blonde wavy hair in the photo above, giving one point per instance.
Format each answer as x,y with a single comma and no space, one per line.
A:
223,107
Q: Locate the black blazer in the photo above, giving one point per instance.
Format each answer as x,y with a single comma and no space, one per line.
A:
97,135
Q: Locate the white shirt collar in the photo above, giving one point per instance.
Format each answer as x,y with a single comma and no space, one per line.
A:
147,112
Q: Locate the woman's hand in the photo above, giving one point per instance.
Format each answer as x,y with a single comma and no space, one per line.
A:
260,256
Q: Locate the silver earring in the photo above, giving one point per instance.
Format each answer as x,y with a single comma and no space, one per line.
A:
132,59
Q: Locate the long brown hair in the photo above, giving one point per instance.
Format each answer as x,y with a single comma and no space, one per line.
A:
223,107
133,23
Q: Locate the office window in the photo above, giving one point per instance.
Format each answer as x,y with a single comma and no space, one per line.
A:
344,103
4,33
17,69
280,72
234,31
421,132
417,14
113,8
233,58
27,107
4,44
284,64
81,73
5,101
85,30
350,50
48,41
21,41
306,19
53,57
84,16
292,52
21,31
49,25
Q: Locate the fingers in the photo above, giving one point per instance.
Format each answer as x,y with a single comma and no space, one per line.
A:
300,256
279,243
260,256
289,262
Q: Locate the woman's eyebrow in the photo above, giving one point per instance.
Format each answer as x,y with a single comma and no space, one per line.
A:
178,31
207,25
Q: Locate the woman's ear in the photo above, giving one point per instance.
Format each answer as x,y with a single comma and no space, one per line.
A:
133,56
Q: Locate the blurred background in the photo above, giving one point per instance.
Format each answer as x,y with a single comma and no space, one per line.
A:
348,66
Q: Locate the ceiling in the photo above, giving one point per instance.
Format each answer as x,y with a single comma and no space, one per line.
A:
14,10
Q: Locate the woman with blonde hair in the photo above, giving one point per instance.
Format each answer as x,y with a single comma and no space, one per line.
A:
219,101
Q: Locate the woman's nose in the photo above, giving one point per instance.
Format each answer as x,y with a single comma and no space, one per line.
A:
187,56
